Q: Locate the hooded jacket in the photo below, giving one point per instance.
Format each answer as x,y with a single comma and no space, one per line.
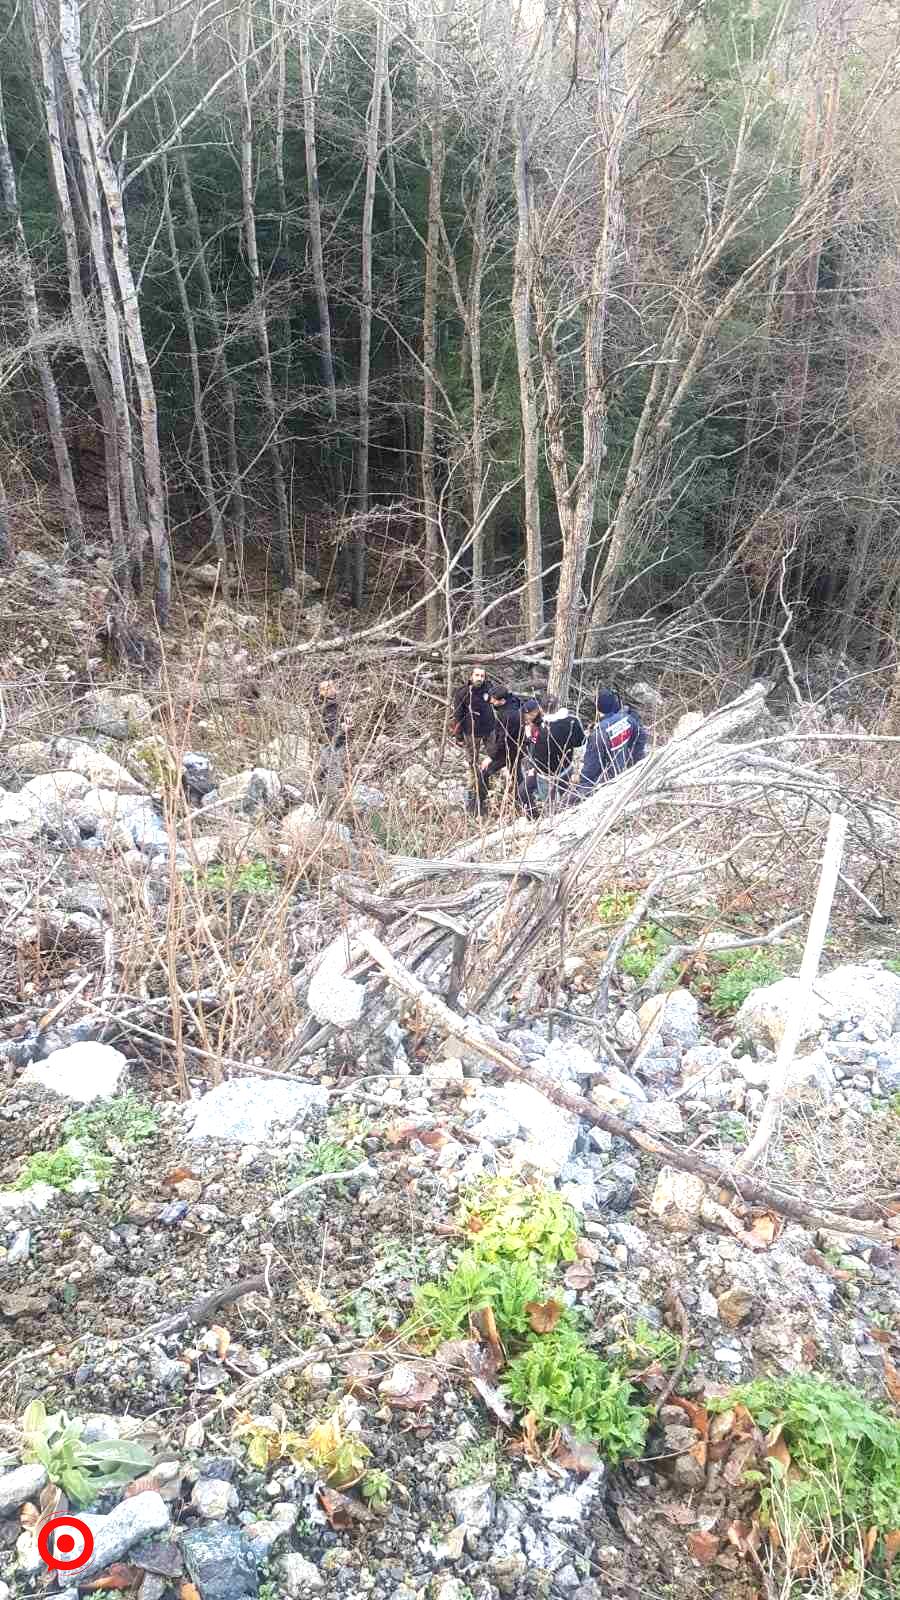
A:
550,743
473,714
615,743
506,739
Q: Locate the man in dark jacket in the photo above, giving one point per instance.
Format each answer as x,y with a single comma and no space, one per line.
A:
330,723
472,722
616,742
503,745
551,737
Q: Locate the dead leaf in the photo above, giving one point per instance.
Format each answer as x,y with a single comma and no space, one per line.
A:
404,1132
775,1449
407,1388
543,1315
809,1351
704,1547
484,1324
679,1513
697,1415
891,1548
742,1456
188,1591
869,1543
118,1576
745,1536
494,1401
29,1514
765,1229
340,1510
361,1369
530,1437
586,1251
580,1275
881,1336
576,1455
891,1378
179,1174
434,1138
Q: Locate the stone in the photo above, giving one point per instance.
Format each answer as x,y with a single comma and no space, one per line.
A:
300,1576
53,791
213,1498
645,697
118,716
763,1016
21,818
37,1197
662,1117
735,1306
331,996
564,1059
677,1016
18,1251
548,1131
265,1534
251,790
865,993
246,1111
473,1506
220,1562
23,1483
81,1072
367,798
76,755
293,755
304,831
628,1030
134,1519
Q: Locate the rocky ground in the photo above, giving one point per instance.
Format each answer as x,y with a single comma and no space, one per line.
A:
150,1151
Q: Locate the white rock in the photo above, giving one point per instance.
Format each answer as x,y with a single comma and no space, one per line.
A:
132,1520
119,716
246,1111
23,1483
862,992
549,1132
54,789
22,818
100,770
763,1016
292,754
331,996
564,1059
675,1018
251,789
37,1197
300,1577
304,831
81,1072
628,1030
213,1498
662,1116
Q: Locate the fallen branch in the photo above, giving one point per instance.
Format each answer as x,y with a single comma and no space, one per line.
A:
468,1032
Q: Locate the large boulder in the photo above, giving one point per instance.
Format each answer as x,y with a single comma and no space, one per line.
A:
252,1110
76,755
118,716
763,1017
676,1017
250,790
864,995
81,1072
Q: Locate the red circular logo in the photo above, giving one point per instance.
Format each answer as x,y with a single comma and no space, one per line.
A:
65,1528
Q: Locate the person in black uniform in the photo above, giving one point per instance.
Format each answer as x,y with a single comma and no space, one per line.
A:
330,722
551,737
503,745
616,742
472,723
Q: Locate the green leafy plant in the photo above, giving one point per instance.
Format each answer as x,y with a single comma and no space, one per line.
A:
256,877
63,1167
739,975
511,1221
615,906
563,1383
125,1119
893,965
82,1470
643,950
480,1463
844,1454
376,1488
645,1344
321,1156
442,1310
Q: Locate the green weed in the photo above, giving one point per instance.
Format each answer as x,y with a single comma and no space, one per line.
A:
376,1488
563,1383
256,877
321,1156
643,950
511,1221
741,974
645,1345
125,1119
83,1471
442,1310
64,1167
480,1463
616,906
893,965
845,1456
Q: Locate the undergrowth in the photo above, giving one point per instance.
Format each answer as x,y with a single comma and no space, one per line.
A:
741,974
843,1472
519,1236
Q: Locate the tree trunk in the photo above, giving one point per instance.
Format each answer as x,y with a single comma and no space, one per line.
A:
236,505
258,306
6,543
317,256
373,122
522,309
214,509
430,509
74,527
69,48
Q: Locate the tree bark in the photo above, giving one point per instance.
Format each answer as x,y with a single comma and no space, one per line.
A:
373,123
430,507
258,309
74,527
522,309
314,203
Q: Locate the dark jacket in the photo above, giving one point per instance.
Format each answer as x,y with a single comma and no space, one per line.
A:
614,744
328,713
505,741
550,743
473,714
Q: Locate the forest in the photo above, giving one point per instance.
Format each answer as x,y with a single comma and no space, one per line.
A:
537,319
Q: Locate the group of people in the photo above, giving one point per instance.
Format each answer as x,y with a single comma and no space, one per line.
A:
535,740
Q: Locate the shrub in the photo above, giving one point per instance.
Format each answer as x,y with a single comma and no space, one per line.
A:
742,974
563,1383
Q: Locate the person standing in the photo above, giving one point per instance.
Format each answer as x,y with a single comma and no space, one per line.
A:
472,723
617,741
503,745
551,736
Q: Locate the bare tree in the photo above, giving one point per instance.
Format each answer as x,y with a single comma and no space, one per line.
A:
373,122
437,155
522,304
74,527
